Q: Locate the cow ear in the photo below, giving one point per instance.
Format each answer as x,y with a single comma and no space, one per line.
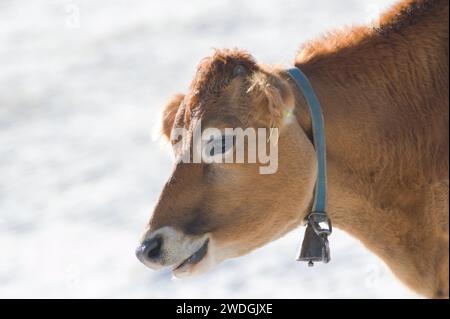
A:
169,112
272,98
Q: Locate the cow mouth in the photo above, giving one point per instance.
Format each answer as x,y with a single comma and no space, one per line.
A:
193,259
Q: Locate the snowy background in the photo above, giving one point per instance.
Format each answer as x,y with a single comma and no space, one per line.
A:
81,86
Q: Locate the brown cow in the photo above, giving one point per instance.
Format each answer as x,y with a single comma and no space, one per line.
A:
384,93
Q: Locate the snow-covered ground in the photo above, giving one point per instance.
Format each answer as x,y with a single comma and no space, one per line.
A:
81,85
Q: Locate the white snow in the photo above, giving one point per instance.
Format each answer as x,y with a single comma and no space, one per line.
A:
81,86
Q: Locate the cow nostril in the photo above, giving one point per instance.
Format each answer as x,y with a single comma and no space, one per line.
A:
153,248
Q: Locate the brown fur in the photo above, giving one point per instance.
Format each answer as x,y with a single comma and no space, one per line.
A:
385,98
384,93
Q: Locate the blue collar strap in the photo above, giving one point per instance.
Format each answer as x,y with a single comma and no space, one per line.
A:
315,243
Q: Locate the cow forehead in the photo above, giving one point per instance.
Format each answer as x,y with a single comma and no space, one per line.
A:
215,72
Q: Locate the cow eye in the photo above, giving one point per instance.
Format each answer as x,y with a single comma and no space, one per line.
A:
220,145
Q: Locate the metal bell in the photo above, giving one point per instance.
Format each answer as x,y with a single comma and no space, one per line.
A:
315,246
